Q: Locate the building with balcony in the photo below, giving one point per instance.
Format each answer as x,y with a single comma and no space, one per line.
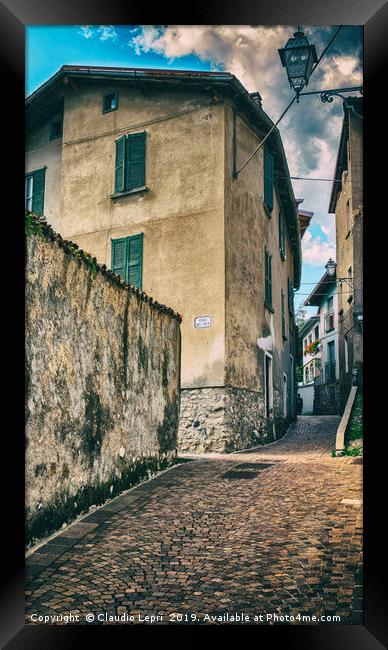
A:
309,337
324,296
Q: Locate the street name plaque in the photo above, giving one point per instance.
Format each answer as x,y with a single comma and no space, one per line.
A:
202,321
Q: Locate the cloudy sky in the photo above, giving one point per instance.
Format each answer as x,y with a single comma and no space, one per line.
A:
310,130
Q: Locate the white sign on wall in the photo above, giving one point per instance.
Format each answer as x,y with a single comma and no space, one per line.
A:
202,321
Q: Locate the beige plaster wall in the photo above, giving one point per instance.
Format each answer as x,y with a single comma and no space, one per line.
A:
251,328
349,241
42,152
348,228
181,215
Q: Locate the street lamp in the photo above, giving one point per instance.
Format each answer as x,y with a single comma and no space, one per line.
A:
298,57
330,267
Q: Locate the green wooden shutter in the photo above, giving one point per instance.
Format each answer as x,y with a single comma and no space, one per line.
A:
282,235
290,297
283,314
119,257
120,164
135,161
135,260
38,191
268,180
268,278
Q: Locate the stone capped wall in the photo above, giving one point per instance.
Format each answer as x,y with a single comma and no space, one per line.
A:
226,419
102,384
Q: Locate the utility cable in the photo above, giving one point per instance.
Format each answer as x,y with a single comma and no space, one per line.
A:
289,105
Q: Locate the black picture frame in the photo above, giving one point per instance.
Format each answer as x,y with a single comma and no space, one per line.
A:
14,16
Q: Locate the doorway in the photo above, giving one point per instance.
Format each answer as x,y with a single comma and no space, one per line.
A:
292,387
268,384
285,396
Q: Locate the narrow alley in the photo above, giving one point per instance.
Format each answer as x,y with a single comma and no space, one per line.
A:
275,530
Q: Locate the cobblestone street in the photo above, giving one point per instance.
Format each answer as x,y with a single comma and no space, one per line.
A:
277,538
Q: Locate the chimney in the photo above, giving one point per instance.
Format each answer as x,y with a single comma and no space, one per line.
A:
256,98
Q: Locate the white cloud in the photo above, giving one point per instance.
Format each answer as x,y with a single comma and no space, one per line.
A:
86,31
340,72
315,251
310,130
107,32
245,51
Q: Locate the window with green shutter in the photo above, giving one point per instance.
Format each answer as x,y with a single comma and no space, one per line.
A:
268,180
282,236
127,259
283,315
290,297
34,191
268,278
130,162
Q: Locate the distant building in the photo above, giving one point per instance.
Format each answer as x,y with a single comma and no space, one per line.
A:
326,384
137,166
347,202
305,217
309,336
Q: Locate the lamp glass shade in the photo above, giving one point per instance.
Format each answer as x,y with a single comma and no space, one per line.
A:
298,57
331,267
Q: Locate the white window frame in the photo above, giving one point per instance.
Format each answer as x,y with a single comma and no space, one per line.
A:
29,186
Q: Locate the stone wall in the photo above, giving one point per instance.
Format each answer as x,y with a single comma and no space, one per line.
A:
225,419
102,383
327,399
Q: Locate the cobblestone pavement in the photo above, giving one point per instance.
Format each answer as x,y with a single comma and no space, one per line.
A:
194,542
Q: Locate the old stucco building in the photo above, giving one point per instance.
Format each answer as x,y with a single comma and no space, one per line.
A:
138,168
327,387
347,202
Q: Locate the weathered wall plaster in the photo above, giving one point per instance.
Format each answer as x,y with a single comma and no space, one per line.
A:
102,385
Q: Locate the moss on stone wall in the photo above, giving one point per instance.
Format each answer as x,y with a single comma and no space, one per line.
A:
97,422
101,417
65,507
167,431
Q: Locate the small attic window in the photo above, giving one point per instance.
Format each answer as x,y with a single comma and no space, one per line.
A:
110,101
55,130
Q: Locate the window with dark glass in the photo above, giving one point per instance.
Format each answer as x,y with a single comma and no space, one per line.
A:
110,101
268,180
55,130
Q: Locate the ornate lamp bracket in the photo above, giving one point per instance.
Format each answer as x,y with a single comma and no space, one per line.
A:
327,96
